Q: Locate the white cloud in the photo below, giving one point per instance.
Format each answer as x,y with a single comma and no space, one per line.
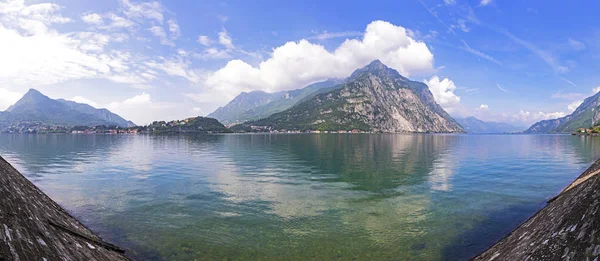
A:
576,45
545,56
213,53
567,81
119,37
483,107
144,10
568,96
462,25
502,89
138,99
197,111
449,2
529,117
80,99
143,110
485,2
478,53
174,29
8,98
296,64
443,92
223,18
132,108
116,22
573,106
49,58
33,53
225,40
327,35
175,66
30,19
596,90
161,34
434,14
92,42
204,40
92,18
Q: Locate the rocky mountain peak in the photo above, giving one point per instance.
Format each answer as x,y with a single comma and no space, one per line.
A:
374,98
377,68
31,97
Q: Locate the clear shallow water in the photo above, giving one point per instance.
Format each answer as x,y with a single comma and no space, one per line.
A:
299,197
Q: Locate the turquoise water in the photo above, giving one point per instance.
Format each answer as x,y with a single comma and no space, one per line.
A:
301,197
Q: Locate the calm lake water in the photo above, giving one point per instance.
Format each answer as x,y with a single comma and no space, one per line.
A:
301,197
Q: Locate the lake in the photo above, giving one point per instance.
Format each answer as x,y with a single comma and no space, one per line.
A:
301,196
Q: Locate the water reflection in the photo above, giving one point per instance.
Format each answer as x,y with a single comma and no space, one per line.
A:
298,196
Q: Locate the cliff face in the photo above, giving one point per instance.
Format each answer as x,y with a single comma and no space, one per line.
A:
375,98
566,229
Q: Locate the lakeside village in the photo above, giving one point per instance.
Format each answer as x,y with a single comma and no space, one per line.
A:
593,131
189,125
267,129
40,128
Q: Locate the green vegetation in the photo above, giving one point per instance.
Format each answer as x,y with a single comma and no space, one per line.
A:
575,122
190,125
323,113
257,105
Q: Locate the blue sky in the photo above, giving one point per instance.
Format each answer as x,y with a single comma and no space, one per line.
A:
511,61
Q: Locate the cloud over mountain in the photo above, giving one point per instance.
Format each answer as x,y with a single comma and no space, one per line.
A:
296,64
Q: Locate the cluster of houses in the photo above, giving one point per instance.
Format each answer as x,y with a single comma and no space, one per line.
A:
587,131
110,131
271,130
33,127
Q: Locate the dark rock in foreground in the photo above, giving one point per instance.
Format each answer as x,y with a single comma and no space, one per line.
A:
33,227
568,228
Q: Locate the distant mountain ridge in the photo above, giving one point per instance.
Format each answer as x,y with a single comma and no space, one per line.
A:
374,98
36,107
259,104
584,116
474,125
103,114
233,111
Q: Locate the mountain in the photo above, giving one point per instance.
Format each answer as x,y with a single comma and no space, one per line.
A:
103,114
584,116
258,104
36,107
474,125
243,102
374,98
